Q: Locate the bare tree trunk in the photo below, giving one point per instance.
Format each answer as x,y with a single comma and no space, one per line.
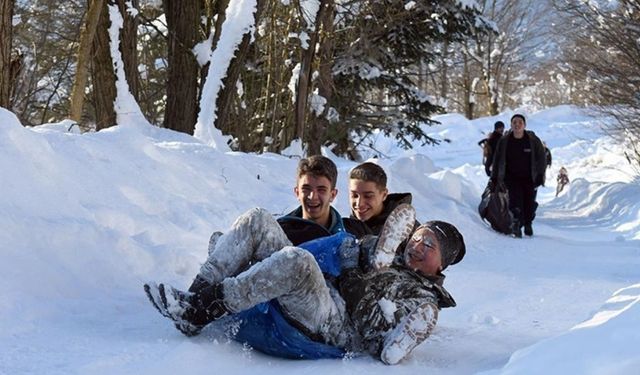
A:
469,101
228,92
128,45
320,124
304,79
444,78
215,13
6,19
82,62
494,102
103,77
183,20
302,92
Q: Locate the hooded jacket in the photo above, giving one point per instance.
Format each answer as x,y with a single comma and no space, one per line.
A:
490,147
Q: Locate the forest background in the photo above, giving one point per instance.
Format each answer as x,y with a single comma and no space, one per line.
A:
327,73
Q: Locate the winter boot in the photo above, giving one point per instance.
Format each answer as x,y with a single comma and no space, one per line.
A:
190,312
409,333
397,228
198,284
173,308
213,240
528,230
211,303
516,228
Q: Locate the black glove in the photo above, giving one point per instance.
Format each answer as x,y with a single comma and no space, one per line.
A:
349,252
367,248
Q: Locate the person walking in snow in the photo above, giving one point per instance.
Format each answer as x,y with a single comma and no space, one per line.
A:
520,163
292,279
489,145
562,180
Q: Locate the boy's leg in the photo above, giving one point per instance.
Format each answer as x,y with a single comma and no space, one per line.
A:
516,205
254,235
529,204
293,277
200,282
290,275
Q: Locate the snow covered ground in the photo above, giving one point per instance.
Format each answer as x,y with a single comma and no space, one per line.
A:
86,219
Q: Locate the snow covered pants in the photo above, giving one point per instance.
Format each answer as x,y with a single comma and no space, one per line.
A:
254,236
256,263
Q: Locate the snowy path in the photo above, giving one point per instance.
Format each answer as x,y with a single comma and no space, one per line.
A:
87,219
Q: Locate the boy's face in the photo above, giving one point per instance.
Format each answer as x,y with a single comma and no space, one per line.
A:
423,252
366,199
315,196
518,126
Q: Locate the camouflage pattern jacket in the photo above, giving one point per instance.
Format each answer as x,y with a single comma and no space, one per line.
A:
378,300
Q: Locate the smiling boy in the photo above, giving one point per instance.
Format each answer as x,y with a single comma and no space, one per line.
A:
315,190
370,201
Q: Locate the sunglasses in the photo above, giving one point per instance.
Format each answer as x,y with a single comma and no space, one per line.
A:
426,239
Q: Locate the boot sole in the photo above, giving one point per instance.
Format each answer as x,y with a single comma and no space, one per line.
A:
397,228
158,298
411,332
155,297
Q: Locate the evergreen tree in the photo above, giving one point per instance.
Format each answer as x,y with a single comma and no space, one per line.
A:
382,44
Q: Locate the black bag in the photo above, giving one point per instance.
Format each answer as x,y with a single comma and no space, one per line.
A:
494,207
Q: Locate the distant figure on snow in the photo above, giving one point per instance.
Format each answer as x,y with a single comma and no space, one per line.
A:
562,180
489,145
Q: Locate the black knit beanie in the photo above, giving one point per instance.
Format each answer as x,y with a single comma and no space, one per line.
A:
498,125
452,246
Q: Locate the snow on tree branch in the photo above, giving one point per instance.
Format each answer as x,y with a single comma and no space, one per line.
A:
127,109
239,21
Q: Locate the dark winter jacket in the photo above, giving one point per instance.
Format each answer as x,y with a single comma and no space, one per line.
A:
300,230
533,149
547,153
374,225
489,150
397,287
